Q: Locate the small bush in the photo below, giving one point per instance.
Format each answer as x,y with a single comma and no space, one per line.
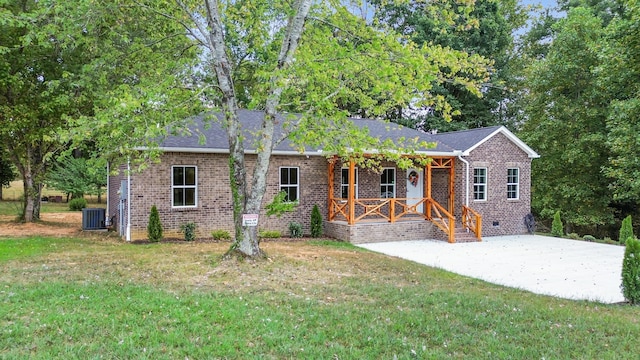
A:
220,235
573,236
589,238
189,230
626,230
631,271
557,228
154,228
77,204
269,234
295,229
316,222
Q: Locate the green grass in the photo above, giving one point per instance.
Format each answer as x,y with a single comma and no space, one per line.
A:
13,208
13,249
96,298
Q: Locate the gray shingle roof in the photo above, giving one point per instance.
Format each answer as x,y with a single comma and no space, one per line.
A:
204,133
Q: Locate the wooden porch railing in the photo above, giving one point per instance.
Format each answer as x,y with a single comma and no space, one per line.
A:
392,209
473,221
446,223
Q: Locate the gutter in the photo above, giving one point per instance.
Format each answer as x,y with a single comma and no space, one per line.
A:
466,180
198,150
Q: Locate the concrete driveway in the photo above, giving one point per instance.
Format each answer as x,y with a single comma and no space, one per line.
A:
563,268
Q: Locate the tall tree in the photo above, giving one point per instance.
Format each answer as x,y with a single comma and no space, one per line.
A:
619,75
487,30
33,95
566,122
62,60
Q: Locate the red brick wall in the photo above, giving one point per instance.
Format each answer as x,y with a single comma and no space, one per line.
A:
214,210
497,155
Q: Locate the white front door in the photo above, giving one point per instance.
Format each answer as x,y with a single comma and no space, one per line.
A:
415,187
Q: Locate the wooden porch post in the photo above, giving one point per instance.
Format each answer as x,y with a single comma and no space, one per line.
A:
351,201
331,179
427,180
452,186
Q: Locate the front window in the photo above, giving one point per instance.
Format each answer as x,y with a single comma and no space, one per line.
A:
480,184
388,183
513,184
344,186
183,186
290,182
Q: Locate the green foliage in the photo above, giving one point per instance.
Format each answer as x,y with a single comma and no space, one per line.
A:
269,234
78,176
589,238
631,271
557,228
154,228
316,222
280,205
487,30
569,136
189,231
7,172
626,230
77,204
295,229
220,235
573,236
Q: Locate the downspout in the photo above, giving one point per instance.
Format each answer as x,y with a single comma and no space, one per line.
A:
466,177
128,235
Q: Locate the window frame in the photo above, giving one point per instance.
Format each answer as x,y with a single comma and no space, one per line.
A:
480,187
387,185
184,186
515,184
288,186
343,185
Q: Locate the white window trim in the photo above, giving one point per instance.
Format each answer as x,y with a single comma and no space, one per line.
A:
394,184
486,184
185,187
297,185
517,184
347,184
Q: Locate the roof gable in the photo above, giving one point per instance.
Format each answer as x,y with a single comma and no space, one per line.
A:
468,140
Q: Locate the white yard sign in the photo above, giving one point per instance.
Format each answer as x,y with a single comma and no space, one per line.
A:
249,219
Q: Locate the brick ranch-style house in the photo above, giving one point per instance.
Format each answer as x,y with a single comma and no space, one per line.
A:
476,184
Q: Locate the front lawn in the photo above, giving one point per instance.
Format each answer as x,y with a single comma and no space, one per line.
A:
100,298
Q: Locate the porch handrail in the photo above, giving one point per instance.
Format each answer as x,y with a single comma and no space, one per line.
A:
448,225
390,209
472,221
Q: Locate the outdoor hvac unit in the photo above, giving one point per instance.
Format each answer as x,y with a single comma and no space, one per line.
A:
93,219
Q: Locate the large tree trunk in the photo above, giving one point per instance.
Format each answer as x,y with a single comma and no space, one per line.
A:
246,238
32,191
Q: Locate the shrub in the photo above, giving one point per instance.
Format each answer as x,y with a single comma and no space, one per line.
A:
557,228
295,229
589,238
77,204
316,222
269,234
573,236
220,235
189,230
626,230
631,271
154,228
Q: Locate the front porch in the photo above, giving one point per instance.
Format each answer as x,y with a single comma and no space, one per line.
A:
376,219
